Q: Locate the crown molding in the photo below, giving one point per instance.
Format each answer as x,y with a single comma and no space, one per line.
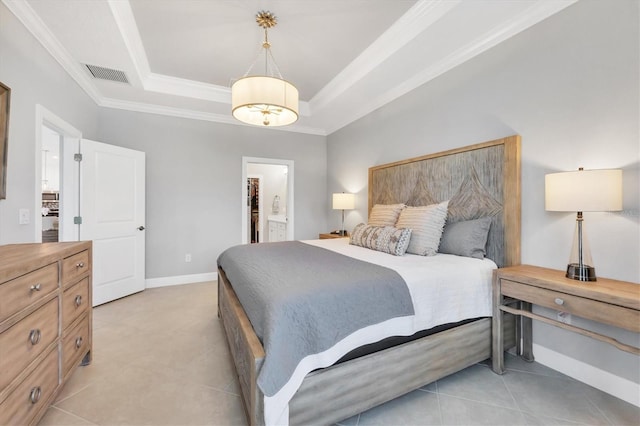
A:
187,88
415,21
41,32
531,16
126,23
198,115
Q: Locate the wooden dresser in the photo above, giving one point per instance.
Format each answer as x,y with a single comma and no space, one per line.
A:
45,324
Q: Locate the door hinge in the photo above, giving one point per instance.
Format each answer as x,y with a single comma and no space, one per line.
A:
77,157
77,220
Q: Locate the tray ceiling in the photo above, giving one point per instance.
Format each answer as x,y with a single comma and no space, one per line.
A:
347,58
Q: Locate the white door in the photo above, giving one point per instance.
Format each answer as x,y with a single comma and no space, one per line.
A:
112,207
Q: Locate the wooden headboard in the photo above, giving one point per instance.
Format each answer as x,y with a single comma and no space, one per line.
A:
478,180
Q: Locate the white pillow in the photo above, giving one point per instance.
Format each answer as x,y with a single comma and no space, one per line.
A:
426,224
385,214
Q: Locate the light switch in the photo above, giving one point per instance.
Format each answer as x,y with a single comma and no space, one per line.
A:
24,217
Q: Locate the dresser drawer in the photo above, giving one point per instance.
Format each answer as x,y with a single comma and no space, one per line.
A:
75,345
21,292
75,301
75,266
580,306
24,341
33,394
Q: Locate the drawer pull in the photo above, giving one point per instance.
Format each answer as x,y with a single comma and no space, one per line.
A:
35,287
80,265
559,301
35,394
34,336
78,342
78,301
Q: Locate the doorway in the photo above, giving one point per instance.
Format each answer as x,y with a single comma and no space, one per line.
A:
107,202
56,182
50,210
275,199
255,209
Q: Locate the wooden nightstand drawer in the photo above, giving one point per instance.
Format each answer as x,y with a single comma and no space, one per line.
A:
329,236
33,394
580,306
22,343
27,289
75,302
75,266
606,301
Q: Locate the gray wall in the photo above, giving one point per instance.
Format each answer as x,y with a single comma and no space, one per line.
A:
569,87
34,78
194,183
193,167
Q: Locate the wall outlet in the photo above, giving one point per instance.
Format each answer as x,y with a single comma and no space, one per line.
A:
564,317
23,217
187,257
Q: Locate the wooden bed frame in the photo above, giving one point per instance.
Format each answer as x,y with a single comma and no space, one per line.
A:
479,180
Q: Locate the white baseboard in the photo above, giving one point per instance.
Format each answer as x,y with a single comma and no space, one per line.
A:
617,386
180,279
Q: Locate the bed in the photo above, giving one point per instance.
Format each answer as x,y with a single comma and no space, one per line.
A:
481,180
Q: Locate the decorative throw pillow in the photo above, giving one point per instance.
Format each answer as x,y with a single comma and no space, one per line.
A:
385,214
466,238
426,223
386,239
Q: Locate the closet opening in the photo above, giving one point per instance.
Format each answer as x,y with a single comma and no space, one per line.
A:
267,194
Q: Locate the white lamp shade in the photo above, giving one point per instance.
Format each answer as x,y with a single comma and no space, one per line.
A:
252,95
344,201
584,191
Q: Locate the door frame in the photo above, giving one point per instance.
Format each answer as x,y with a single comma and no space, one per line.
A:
69,176
290,195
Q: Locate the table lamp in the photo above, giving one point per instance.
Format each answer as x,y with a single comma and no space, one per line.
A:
342,201
583,191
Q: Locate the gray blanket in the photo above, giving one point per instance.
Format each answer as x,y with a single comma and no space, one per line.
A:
303,299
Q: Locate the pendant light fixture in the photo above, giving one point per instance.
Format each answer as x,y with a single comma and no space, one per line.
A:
264,99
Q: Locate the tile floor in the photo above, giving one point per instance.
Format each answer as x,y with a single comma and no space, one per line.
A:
160,358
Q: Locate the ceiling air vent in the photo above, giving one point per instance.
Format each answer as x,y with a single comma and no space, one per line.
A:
110,74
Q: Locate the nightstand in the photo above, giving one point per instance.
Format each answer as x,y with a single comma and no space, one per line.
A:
328,236
517,288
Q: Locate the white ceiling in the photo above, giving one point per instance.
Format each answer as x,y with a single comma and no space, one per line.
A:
346,57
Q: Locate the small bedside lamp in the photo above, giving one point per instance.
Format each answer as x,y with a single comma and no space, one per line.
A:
583,191
343,202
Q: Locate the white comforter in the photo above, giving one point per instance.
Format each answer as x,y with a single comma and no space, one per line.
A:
444,289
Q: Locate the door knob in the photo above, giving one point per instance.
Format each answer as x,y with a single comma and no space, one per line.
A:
140,228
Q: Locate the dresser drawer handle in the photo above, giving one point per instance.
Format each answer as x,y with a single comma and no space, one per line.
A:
80,265
78,342
34,395
559,301
78,301
35,287
34,336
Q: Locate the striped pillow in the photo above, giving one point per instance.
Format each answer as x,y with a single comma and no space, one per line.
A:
385,214
426,224
386,239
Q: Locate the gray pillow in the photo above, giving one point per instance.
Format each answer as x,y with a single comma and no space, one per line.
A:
466,238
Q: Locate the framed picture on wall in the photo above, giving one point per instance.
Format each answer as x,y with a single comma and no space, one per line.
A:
5,97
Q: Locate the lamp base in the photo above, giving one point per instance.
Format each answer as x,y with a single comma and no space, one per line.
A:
342,232
581,273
